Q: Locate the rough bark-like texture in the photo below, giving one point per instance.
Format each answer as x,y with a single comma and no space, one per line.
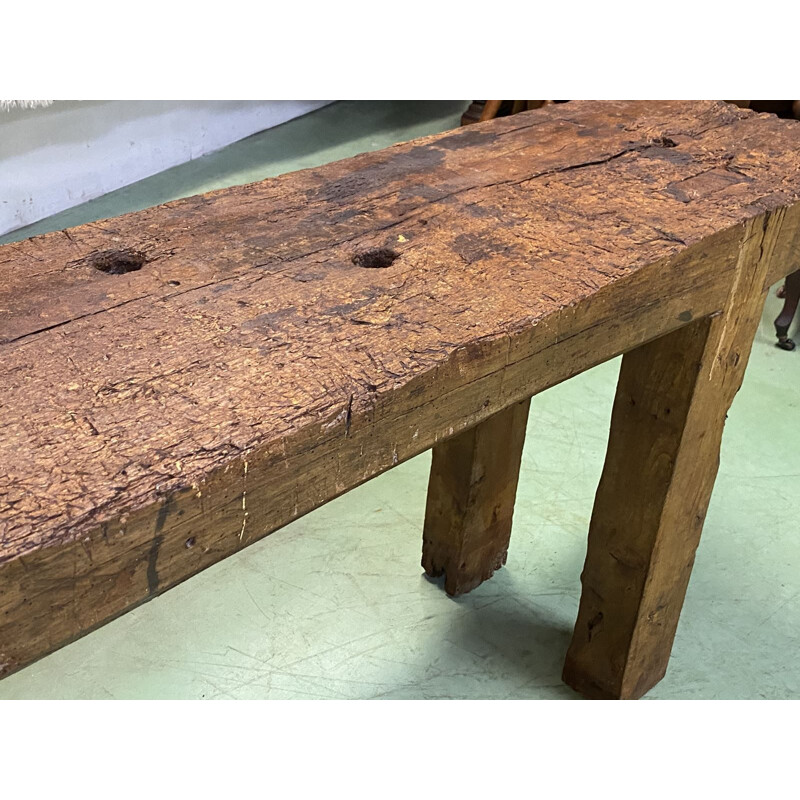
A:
663,454
181,381
471,493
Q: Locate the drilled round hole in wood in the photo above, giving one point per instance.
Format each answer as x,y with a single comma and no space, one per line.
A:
118,262
379,258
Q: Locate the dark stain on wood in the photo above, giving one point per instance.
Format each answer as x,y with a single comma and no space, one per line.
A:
269,319
470,137
167,507
705,184
477,248
420,191
359,183
673,155
152,565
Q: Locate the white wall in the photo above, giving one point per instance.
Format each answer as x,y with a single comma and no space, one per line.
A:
57,157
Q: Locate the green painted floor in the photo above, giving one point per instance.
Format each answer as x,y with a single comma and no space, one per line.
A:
335,605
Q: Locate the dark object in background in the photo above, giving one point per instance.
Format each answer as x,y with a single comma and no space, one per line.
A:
790,291
481,110
787,109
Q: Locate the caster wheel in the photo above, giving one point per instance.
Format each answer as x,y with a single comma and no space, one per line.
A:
785,344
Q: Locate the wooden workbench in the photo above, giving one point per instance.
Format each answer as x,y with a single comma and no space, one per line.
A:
181,381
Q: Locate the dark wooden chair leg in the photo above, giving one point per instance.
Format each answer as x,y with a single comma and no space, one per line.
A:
473,112
471,493
791,295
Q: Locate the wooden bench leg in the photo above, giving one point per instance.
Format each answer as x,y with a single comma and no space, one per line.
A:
663,453
471,492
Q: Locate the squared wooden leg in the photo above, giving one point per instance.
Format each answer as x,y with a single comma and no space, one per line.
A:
670,408
471,493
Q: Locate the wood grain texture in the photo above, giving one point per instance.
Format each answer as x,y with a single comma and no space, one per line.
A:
663,454
154,421
470,506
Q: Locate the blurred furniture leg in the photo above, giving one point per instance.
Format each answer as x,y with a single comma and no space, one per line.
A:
482,110
490,109
473,113
791,295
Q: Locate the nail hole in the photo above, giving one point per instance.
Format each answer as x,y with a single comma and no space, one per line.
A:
379,258
173,283
118,262
663,141
190,543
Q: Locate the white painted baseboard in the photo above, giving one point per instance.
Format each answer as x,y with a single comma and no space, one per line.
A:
57,157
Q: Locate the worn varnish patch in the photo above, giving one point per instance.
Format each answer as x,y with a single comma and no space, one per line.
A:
515,253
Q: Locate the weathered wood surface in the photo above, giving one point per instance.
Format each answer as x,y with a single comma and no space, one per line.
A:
155,421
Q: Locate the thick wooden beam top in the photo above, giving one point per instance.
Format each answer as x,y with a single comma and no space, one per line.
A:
245,317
